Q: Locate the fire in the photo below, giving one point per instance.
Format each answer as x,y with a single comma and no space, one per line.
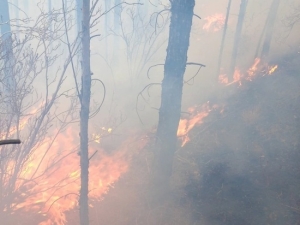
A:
214,23
50,181
223,79
252,71
272,69
258,68
196,116
97,137
22,123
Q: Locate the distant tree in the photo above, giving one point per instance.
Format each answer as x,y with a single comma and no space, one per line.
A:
6,40
237,38
270,24
140,33
223,39
4,19
79,14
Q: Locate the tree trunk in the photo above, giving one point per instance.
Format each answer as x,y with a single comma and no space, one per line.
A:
4,19
7,49
117,21
223,39
170,109
84,113
79,15
269,28
237,38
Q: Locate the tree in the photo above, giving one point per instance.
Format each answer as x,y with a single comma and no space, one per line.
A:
172,84
4,18
237,38
270,23
223,38
140,34
85,97
6,41
30,110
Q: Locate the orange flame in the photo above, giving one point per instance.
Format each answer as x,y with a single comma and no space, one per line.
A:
257,68
214,23
50,185
195,117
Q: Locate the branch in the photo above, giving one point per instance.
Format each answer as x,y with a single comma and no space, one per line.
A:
141,94
10,142
97,110
159,13
197,16
194,64
107,11
70,52
152,67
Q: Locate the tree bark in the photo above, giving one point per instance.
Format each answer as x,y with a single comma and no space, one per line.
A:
84,113
223,39
170,109
269,28
237,38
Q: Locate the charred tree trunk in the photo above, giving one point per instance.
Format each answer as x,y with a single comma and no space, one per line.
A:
223,39
174,69
237,37
84,113
269,28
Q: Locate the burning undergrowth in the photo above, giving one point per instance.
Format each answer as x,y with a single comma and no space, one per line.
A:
242,165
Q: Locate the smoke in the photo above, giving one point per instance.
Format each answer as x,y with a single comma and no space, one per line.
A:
240,165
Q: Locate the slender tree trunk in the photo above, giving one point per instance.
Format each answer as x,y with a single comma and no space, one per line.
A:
79,15
7,49
170,109
107,25
237,37
117,20
223,39
269,29
261,38
84,113
4,19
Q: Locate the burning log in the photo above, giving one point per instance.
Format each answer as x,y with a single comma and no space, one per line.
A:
10,142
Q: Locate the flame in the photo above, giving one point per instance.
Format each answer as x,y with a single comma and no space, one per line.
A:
196,116
22,122
214,22
49,183
258,68
98,136
252,71
223,79
272,69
